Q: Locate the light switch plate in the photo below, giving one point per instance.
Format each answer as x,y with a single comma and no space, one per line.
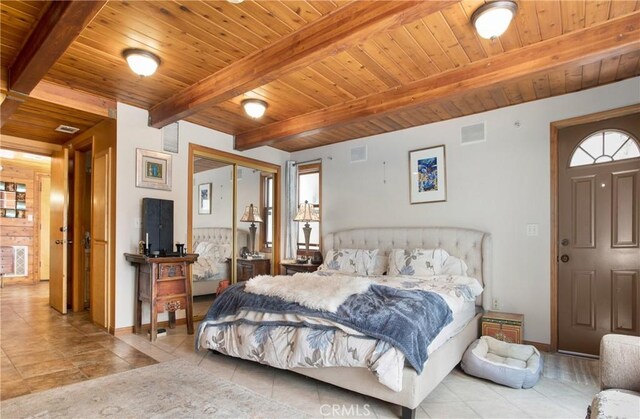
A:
532,229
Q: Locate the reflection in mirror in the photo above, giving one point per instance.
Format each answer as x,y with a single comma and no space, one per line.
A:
252,218
212,223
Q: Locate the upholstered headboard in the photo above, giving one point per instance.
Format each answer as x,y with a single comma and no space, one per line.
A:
218,235
472,246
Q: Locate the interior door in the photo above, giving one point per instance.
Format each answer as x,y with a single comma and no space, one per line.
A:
45,226
599,263
58,251
100,230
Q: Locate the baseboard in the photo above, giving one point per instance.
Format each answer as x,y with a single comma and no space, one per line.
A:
128,330
544,347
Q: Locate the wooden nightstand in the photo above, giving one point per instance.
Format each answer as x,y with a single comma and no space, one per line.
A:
508,327
294,268
248,268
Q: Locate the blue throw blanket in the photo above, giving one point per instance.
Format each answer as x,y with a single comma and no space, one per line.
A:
407,319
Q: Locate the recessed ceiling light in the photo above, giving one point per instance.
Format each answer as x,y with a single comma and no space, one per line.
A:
141,62
255,108
67,129
235,1
492,19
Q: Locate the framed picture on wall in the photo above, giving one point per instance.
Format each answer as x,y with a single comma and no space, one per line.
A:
153,169
204,198
427,175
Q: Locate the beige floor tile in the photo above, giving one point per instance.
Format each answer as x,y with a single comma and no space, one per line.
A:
577,405
56,379
108,368
255,377
220,366
472,390
45,367
442,393
36,357
497,409
448,410
552,388
543,407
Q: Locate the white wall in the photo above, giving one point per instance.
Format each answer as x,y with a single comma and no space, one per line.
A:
133,133
497,186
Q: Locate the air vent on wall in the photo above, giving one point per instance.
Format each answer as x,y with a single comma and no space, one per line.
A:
67,129
473,133
359,154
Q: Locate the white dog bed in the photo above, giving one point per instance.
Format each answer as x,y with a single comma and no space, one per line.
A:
509,364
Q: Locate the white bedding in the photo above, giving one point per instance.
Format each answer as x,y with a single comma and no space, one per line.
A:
290,347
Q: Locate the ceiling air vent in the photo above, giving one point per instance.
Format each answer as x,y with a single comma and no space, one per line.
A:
67,129
473,134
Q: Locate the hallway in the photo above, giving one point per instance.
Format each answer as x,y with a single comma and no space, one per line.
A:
42,349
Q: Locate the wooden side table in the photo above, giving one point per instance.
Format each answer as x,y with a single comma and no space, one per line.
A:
248,268
294,268
508,327
165,283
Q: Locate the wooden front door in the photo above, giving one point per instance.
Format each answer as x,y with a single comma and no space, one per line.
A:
59,235
599,263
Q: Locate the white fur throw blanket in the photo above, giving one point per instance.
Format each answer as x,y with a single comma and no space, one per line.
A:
310,290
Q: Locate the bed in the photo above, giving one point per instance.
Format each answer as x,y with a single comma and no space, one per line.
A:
213,245
473,247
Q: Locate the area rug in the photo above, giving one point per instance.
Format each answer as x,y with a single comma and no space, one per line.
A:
174,389
572,368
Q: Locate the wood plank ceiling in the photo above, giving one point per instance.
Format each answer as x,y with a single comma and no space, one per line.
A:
330,70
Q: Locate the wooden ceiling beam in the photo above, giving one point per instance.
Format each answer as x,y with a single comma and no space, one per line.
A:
56,30
612,38
75,99
335,32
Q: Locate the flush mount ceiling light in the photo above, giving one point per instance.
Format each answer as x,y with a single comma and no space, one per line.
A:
492,19
235,1
255,108
141,62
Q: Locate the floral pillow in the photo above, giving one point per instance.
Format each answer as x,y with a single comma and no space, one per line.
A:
416,262
341,260
355,261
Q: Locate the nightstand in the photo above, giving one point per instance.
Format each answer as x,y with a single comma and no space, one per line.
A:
248,268
508,327
294,268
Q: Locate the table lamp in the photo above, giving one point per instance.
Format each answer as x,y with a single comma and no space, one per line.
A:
307,213
251,215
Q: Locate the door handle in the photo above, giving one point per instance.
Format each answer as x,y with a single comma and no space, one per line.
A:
564,258
58,241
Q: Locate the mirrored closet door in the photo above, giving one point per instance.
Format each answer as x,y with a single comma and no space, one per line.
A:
232,224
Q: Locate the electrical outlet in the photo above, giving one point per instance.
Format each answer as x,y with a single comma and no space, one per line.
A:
495,305
532,229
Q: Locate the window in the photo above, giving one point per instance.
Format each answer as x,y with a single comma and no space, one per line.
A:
266,197
604,147
309,190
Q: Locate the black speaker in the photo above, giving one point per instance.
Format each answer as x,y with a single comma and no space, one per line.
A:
157,222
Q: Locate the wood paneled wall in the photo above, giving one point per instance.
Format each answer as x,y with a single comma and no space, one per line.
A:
23,231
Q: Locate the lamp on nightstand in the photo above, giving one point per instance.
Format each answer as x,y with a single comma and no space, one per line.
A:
307,213
251,215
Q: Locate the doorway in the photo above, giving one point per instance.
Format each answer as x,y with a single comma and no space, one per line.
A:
597,237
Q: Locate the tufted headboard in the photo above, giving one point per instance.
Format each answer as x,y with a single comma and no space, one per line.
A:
472,246
218,235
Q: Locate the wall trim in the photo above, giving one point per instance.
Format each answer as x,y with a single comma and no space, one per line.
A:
129,330
543,347
555,127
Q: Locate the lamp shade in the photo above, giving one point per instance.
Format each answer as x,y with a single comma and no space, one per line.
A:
255,108
143,63
251,215
492,19
307,213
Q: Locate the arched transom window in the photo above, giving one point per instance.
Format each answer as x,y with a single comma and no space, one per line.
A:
604,147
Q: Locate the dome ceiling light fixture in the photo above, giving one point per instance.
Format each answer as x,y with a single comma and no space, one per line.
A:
235,1
492,19
255,108
141,62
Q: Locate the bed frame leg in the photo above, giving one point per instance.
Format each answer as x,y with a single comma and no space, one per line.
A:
408,413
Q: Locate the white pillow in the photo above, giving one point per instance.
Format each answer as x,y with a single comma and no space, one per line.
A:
416,262
454,266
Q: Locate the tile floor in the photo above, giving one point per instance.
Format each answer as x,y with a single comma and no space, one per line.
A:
458,396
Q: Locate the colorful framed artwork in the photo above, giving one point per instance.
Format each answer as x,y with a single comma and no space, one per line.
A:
153,169
427,175
204,198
